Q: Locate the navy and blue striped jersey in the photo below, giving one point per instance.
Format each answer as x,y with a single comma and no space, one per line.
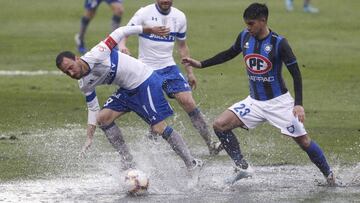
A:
263,60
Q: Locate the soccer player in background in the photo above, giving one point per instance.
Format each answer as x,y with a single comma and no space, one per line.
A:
139,91
264,51
157,52
90,11
308,8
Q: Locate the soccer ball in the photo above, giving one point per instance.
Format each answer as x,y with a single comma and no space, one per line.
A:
136,182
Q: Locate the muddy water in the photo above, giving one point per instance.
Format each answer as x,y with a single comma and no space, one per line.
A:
270,184
98,178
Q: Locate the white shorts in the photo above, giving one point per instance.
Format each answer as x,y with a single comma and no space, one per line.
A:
278,112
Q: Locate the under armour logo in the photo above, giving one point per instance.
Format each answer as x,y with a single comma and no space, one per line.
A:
91,82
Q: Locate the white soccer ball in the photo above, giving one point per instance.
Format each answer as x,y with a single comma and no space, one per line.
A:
137,182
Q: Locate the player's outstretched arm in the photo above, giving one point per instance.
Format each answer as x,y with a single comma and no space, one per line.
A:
117,35
157,30
102,50
89,140
185,53
298,108
93,110
191,62
299,112
122,46
289,59
161,31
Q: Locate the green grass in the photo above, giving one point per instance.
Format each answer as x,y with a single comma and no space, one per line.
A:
326,45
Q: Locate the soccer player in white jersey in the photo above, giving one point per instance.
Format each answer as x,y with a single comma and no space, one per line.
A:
157,52
139,91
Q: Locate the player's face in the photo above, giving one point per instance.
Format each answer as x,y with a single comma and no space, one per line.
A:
72,68
164,4
255,26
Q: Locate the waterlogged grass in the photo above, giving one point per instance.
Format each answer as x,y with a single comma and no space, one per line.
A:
39,109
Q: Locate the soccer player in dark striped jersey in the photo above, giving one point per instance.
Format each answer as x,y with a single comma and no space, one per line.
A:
264,52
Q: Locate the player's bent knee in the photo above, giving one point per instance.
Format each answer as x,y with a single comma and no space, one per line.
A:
218,125
158,128
103,119
303,141
118,12
185,99
188,104
90,14
117,9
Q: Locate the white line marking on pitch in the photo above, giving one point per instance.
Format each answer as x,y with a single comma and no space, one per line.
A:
28,73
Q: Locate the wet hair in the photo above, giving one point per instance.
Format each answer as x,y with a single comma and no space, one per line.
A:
256,11
65,54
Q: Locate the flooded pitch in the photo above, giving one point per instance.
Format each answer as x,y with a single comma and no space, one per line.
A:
98,178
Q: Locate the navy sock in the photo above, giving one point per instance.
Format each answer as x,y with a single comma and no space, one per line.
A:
115,22
318,158
85,21
231,146
83,25
167,132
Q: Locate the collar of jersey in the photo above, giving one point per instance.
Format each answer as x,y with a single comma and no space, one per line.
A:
162,12
89,70
270,33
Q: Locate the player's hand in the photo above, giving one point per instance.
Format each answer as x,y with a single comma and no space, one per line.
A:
192,80
191,62
125,50
299,112
157,30
86,147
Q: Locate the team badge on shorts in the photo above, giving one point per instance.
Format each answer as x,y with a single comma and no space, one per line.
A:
291,129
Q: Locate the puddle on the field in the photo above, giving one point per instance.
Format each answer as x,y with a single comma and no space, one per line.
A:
98,178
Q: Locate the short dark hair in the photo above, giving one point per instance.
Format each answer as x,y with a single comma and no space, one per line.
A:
256,11
65,54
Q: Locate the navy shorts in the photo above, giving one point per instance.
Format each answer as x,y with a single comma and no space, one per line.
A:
174,81
147,100
93,4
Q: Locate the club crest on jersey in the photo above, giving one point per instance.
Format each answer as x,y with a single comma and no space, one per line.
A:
257,64
268,48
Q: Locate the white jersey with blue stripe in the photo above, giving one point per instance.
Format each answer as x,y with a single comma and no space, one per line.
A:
110,68
114,68
157,51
